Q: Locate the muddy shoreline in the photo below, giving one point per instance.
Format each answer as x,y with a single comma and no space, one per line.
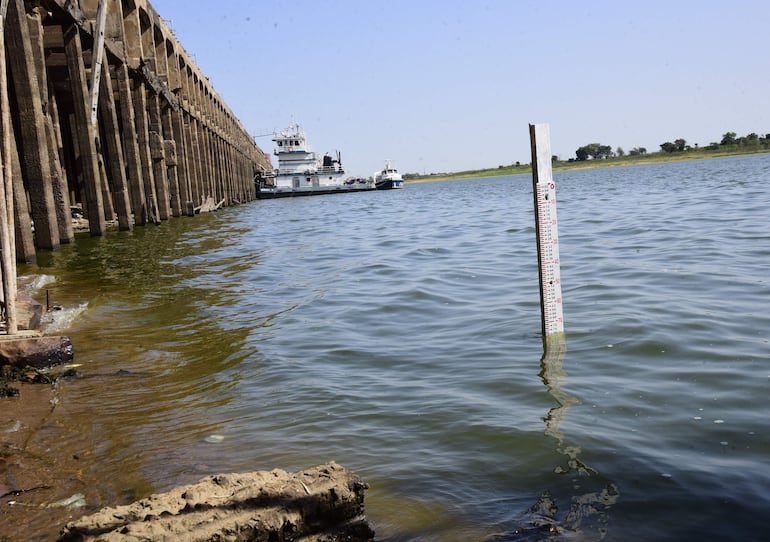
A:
30,481
42,491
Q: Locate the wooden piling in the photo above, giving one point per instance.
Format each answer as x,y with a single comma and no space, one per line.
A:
59,184
22,221
143,141
114,152
97,56
7,263
112,116
131,147
86,134
196,163
32,132
158,157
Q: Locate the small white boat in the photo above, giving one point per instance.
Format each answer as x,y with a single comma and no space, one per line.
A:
388,178
302,172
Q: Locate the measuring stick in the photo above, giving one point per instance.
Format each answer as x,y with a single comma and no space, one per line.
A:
547,233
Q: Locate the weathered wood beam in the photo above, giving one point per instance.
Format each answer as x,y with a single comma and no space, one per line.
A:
59,182
131,146
32,125
191,134
24,238
87,136
115,164
185,191
97,56
158,156
7,262
171,154
178,134
143,141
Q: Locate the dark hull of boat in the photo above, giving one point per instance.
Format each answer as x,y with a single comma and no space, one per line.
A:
273,194
388,184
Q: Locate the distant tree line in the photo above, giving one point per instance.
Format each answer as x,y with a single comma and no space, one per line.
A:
730,140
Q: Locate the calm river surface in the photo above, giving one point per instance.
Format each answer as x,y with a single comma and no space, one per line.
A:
398,334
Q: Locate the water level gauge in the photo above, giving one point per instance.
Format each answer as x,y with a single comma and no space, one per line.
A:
547,233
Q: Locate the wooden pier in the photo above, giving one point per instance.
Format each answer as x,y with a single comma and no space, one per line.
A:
105,111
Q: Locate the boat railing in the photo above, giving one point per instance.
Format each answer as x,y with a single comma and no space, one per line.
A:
321,170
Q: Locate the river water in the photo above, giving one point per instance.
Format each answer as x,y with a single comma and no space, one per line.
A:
398,334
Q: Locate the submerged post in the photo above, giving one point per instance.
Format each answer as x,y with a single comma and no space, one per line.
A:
547,233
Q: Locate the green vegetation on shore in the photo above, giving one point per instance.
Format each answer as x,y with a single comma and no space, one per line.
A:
734,147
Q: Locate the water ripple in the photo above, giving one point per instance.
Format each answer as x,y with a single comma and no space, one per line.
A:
398,333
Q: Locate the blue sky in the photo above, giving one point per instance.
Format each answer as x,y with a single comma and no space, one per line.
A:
444,85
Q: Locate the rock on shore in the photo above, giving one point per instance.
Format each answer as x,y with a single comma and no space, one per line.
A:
36,351
321,504
29,347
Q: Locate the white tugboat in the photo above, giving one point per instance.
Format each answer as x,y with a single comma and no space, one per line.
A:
388,178
302,172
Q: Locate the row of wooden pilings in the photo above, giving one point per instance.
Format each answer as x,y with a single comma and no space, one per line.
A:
104,111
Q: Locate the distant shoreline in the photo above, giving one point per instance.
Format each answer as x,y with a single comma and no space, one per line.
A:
560,165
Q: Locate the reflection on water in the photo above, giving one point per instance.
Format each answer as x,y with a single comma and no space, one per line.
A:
589,511
553,376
